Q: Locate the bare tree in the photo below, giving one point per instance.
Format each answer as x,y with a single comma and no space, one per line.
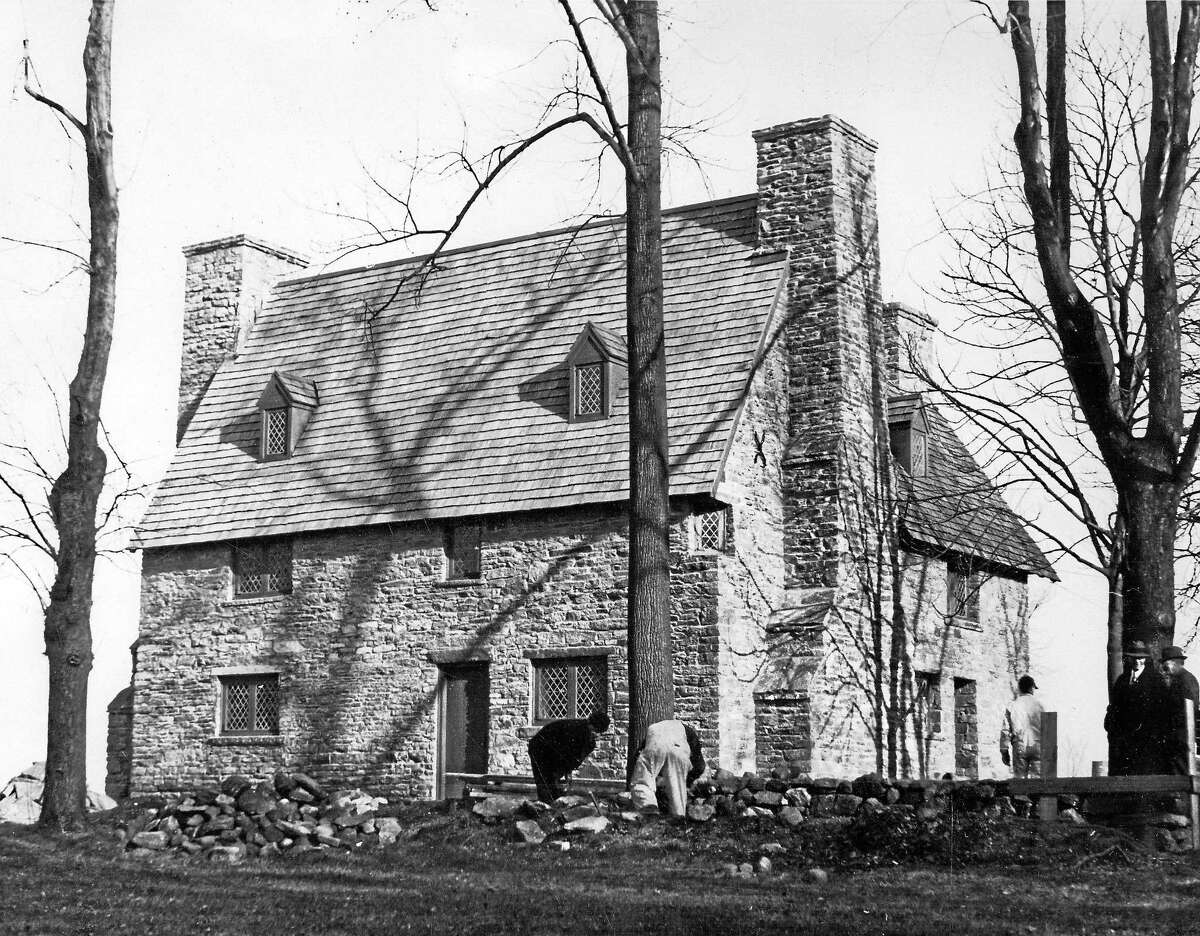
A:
1112,297
1022,406
637,143
74,497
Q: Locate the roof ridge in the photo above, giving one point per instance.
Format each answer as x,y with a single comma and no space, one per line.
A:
504,241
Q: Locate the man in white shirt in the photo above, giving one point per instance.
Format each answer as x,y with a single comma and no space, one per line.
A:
1022,732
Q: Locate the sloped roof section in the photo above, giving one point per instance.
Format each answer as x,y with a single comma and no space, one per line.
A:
454,402
299,391
955,507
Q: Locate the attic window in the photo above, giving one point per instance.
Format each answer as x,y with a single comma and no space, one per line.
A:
275,432
589,390
285,407
464,551
909,436
593,365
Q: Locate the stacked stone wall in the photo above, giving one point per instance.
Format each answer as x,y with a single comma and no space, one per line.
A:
356,641
120,744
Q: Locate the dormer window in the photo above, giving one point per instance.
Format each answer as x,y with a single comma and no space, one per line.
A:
593,364
275,432
285,407
589,390
909,434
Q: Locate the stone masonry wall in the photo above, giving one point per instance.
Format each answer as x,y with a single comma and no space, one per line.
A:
225,284
752,570
352,645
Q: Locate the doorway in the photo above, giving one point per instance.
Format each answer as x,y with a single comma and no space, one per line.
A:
464,690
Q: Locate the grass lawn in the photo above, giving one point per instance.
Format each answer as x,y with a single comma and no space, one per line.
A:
465,881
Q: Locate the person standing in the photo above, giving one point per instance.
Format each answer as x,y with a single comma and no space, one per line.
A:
559,748
1138,716
671,750
1021,734
1181,686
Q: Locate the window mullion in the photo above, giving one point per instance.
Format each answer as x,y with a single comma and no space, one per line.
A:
572,692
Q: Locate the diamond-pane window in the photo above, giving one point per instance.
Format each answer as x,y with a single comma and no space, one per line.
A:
929,702
589,390
569,687
250,704
962,591
708,531
464,551
275,432
262,568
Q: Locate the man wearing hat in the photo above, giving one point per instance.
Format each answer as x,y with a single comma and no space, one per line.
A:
1138,716
1022,731
1182,686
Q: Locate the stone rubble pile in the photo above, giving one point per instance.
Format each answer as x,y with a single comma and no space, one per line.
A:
242,819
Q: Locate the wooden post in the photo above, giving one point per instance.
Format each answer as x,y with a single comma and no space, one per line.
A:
1048,805
1189,719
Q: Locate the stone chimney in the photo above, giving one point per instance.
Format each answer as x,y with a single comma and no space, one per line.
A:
816,200
908,333
226,283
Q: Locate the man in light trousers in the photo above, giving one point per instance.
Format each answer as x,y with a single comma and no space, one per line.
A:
671,751
1022,732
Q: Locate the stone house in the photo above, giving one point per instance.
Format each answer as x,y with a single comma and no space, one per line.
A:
392,541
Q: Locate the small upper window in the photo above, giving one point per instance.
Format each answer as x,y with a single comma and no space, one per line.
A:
285,407
262,568
963,582
250,704
593,365
709,531
909,434
275,432
464,551
589,389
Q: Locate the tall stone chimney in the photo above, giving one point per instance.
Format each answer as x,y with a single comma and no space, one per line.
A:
816,200
225,285
907,335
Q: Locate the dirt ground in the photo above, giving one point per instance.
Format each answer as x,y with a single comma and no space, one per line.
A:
451,873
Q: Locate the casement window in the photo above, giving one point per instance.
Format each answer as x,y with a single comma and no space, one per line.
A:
569,687
275,433
262,567
285,407
709,531
250,704
909,435
962,590
464,551
593,364
589,390
929,702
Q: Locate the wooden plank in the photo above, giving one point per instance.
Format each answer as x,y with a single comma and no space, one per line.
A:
1048,805
1147,783
1189,716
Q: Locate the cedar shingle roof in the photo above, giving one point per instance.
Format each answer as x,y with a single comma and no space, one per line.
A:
455,404
955,507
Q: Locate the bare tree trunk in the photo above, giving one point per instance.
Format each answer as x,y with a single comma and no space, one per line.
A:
1149,573
651,680
75,494
1116,627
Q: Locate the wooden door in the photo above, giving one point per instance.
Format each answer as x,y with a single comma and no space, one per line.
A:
463,728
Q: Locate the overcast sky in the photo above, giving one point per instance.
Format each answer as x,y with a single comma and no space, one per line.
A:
265,118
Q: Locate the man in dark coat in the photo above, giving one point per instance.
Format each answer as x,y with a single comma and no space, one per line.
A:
1182,686
559,748
1138,716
